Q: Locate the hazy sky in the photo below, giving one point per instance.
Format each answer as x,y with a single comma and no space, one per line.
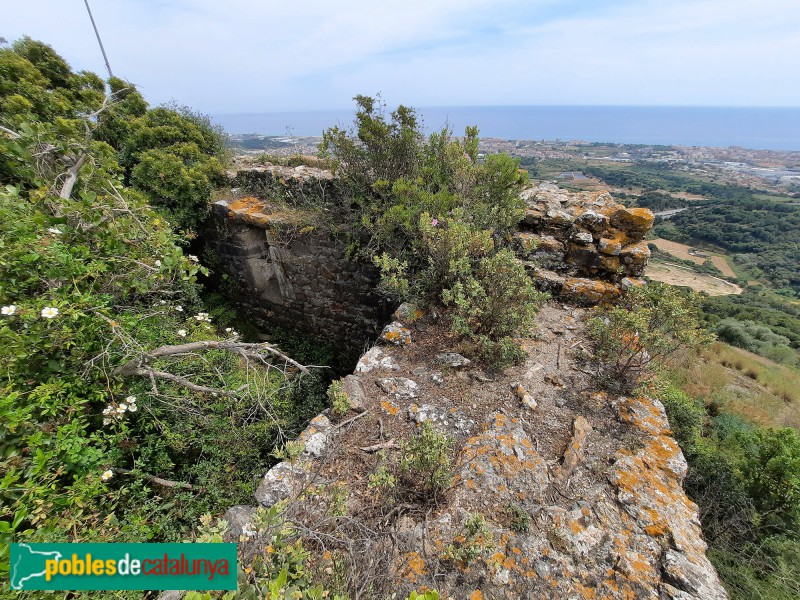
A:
232,56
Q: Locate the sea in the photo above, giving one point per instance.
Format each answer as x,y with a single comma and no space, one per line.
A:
756,128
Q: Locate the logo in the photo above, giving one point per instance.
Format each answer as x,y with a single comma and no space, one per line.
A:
123,566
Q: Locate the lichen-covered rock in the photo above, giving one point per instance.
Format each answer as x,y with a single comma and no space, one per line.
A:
444,420
352,386
589,291
315,436
633,221
649,483
527,399
576,447
609,246
408,313
281,481
452,360
635,257
502,458
375,358
240,522
397,334
399,388
582,237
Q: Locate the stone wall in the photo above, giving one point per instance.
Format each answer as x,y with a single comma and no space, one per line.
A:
277,246
294,274
582,245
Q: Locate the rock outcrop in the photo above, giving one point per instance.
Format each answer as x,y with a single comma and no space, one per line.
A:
558,490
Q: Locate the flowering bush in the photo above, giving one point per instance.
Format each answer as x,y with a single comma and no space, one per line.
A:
92,278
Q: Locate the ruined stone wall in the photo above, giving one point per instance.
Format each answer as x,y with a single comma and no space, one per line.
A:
294,275
579,491
273,237
582,245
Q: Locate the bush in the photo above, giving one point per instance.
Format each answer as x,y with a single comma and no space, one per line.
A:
436,222
648,325
426,465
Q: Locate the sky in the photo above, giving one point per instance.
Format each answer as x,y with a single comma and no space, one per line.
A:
253,56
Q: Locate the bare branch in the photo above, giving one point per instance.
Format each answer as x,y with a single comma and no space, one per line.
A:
157,480
390,445
14,135
149,372
72,177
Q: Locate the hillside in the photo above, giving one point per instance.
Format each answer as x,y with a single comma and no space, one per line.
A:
396,368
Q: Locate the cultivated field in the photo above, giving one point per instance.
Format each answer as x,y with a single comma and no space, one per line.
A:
682,251
682,276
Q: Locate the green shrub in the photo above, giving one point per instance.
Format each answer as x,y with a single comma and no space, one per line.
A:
340,401
426,464
647,326
473,541
436,222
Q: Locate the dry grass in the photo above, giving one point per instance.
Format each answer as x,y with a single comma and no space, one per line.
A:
739,382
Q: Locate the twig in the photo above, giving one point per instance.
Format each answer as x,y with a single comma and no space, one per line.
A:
13,134
348,421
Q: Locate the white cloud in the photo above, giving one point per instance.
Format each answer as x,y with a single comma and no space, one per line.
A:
246,56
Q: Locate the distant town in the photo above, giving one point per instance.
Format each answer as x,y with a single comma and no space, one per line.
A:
769,170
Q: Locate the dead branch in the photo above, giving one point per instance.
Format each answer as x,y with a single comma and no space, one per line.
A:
14,135
150,372
157,480
140,366
390,445
72,176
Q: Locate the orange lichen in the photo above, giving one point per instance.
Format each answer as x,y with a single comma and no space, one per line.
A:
413,566
476,595
389,407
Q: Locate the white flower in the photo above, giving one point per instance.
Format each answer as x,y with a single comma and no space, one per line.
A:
122,408
132,408
193,258
181,333
108,474
228,329
55,231
203,317
130,399
158,263
106,421
48,312
162,301
9,310
179,308
108,409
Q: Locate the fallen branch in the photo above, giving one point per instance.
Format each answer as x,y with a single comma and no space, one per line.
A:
158,480
390,445
14,135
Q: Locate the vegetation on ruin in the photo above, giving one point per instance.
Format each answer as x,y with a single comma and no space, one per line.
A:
437,223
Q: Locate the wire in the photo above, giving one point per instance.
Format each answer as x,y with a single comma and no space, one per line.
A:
99,41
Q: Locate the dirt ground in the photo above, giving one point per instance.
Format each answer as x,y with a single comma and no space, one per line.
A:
674,275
